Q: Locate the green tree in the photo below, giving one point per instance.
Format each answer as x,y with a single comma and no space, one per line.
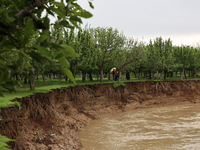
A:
151,58
88,58
181,55
168,63
108,40
132,52
164,57
20,19
159,49
193,60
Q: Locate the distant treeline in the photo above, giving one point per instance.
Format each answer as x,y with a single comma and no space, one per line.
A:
101,49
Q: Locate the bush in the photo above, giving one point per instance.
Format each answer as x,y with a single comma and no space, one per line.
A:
116,84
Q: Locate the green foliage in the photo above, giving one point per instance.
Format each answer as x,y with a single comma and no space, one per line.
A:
132,52
17,27
107,41
3,141
45,87
25,39
88,53
68,73
160,56
6,103
116,84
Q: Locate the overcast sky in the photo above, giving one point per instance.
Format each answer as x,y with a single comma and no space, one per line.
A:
148,19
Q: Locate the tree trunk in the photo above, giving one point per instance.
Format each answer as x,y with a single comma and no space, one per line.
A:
66,78
185,73
139,75
149,74
59,77
97,76
119,77
101,74
16,76
109,76
135,74
105,75
172,74
21,77
83,76
182,72
25,79
50,76
161,76
128,76
157,74
32,81
74,74
43,77
80,74
165,74
192,73
122,76
145,74
90,76
37,77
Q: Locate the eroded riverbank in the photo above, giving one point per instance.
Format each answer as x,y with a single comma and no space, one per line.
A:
52,120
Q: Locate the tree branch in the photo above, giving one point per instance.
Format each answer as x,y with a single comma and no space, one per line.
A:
28,10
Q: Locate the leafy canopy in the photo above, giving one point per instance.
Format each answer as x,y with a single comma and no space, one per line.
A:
20,20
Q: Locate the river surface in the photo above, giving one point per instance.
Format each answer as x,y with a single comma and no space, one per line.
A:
161,128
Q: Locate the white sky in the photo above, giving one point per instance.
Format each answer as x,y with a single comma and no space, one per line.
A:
178,20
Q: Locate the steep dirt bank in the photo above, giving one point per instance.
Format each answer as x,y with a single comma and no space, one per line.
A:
51,121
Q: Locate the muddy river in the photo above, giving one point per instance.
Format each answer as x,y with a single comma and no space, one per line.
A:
167,128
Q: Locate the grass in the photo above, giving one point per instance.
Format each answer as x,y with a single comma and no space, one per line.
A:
116,84
44,87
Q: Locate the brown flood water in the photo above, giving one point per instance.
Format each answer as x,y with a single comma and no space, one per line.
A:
161,128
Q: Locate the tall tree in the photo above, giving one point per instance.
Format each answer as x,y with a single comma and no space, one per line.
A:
88,57
159,48
132,52
168,64
108,40
151,58
164,57
182,58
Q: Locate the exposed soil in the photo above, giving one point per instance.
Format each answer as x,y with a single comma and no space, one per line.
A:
51,121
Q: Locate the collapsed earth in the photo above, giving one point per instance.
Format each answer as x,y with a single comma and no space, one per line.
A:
53,120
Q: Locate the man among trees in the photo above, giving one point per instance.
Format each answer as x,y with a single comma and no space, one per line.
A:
114,73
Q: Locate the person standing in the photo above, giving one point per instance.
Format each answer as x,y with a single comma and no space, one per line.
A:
114,73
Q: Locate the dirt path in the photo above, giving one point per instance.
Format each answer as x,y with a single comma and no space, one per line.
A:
52,120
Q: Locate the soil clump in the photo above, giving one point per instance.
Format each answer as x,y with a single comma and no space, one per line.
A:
51,121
